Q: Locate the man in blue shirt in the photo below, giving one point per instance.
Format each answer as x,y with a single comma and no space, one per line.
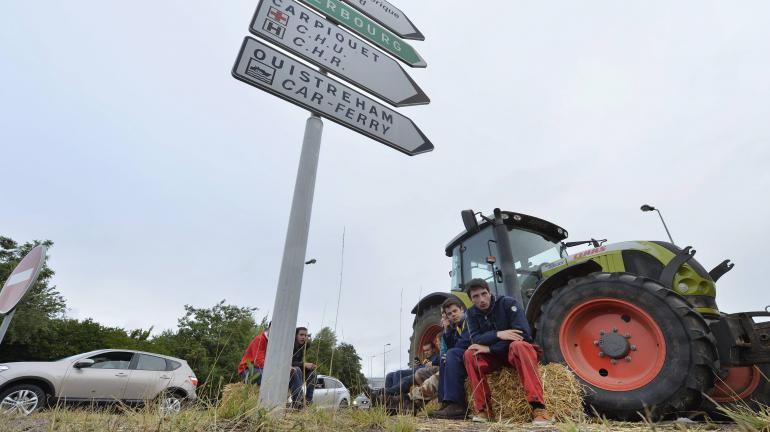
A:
501,338
456,338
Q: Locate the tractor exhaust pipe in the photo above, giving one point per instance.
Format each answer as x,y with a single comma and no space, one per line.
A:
510,284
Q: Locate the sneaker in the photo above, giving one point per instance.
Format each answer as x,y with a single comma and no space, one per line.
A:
450,412
483,417
541,417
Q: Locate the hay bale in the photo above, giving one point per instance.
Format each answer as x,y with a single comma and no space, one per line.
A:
562,391
238,400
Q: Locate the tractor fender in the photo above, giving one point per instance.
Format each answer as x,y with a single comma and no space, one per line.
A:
543,291
437,298
429,300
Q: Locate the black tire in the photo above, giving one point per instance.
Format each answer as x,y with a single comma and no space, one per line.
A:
427,319
171,402
758,399
21,392
690,356
344,404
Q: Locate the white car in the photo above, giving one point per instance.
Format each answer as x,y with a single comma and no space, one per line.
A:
362,402
330,393
97,376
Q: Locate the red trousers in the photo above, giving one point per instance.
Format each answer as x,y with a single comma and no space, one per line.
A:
521,356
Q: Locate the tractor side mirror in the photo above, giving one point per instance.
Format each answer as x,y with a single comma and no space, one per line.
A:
84,363
469,220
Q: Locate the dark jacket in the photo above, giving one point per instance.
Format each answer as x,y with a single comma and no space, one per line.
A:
457,336
435,359
504,313
298,358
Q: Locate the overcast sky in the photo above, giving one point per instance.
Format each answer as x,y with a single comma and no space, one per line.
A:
163,181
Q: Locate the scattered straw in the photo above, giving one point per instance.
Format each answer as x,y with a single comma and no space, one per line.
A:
563,395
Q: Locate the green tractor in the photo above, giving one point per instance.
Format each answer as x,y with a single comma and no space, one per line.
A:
636,321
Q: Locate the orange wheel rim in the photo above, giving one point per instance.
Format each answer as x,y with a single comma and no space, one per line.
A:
739,384
612,344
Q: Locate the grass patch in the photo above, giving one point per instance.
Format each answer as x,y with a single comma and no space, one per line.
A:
207,419
747,419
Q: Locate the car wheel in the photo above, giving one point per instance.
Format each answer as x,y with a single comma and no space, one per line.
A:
22,399
171,403
344,404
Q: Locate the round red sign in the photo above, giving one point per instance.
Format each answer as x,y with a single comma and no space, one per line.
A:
21,279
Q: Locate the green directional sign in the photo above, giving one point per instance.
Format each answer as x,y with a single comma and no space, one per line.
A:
364,26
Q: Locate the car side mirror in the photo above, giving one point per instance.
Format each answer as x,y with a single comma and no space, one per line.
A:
84,363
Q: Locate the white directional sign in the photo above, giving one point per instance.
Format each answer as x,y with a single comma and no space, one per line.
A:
270,70
300,30
388,15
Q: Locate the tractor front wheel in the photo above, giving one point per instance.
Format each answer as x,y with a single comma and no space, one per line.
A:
638,346
426,327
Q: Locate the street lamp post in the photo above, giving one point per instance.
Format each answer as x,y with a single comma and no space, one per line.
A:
383,360
648,208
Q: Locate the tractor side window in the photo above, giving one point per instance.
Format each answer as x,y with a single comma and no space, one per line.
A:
456,272
475,252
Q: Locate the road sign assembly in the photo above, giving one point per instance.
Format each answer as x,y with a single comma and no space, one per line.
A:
317,35
303,32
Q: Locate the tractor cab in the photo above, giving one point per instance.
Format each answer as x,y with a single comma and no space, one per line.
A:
508,250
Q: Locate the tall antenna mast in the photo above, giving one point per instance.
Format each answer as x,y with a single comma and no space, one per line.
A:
339,296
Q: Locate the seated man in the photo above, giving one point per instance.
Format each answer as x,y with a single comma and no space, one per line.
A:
253,360
501,338
451,380
401,388
302,369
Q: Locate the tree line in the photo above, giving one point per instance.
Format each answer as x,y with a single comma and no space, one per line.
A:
211,340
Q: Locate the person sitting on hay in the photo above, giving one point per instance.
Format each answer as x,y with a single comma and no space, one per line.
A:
451,377
501,337
396,397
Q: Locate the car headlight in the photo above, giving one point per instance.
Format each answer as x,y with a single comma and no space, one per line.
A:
355,402
3,368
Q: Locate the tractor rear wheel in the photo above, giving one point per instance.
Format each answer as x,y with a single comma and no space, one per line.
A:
638,346
426,327
743,387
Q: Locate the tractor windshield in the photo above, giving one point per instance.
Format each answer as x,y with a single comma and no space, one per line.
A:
530,251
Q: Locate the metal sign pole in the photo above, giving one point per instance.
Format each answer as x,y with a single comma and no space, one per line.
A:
4,326
275,377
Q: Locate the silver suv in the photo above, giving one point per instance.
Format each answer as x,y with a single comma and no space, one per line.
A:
97,376
330,393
